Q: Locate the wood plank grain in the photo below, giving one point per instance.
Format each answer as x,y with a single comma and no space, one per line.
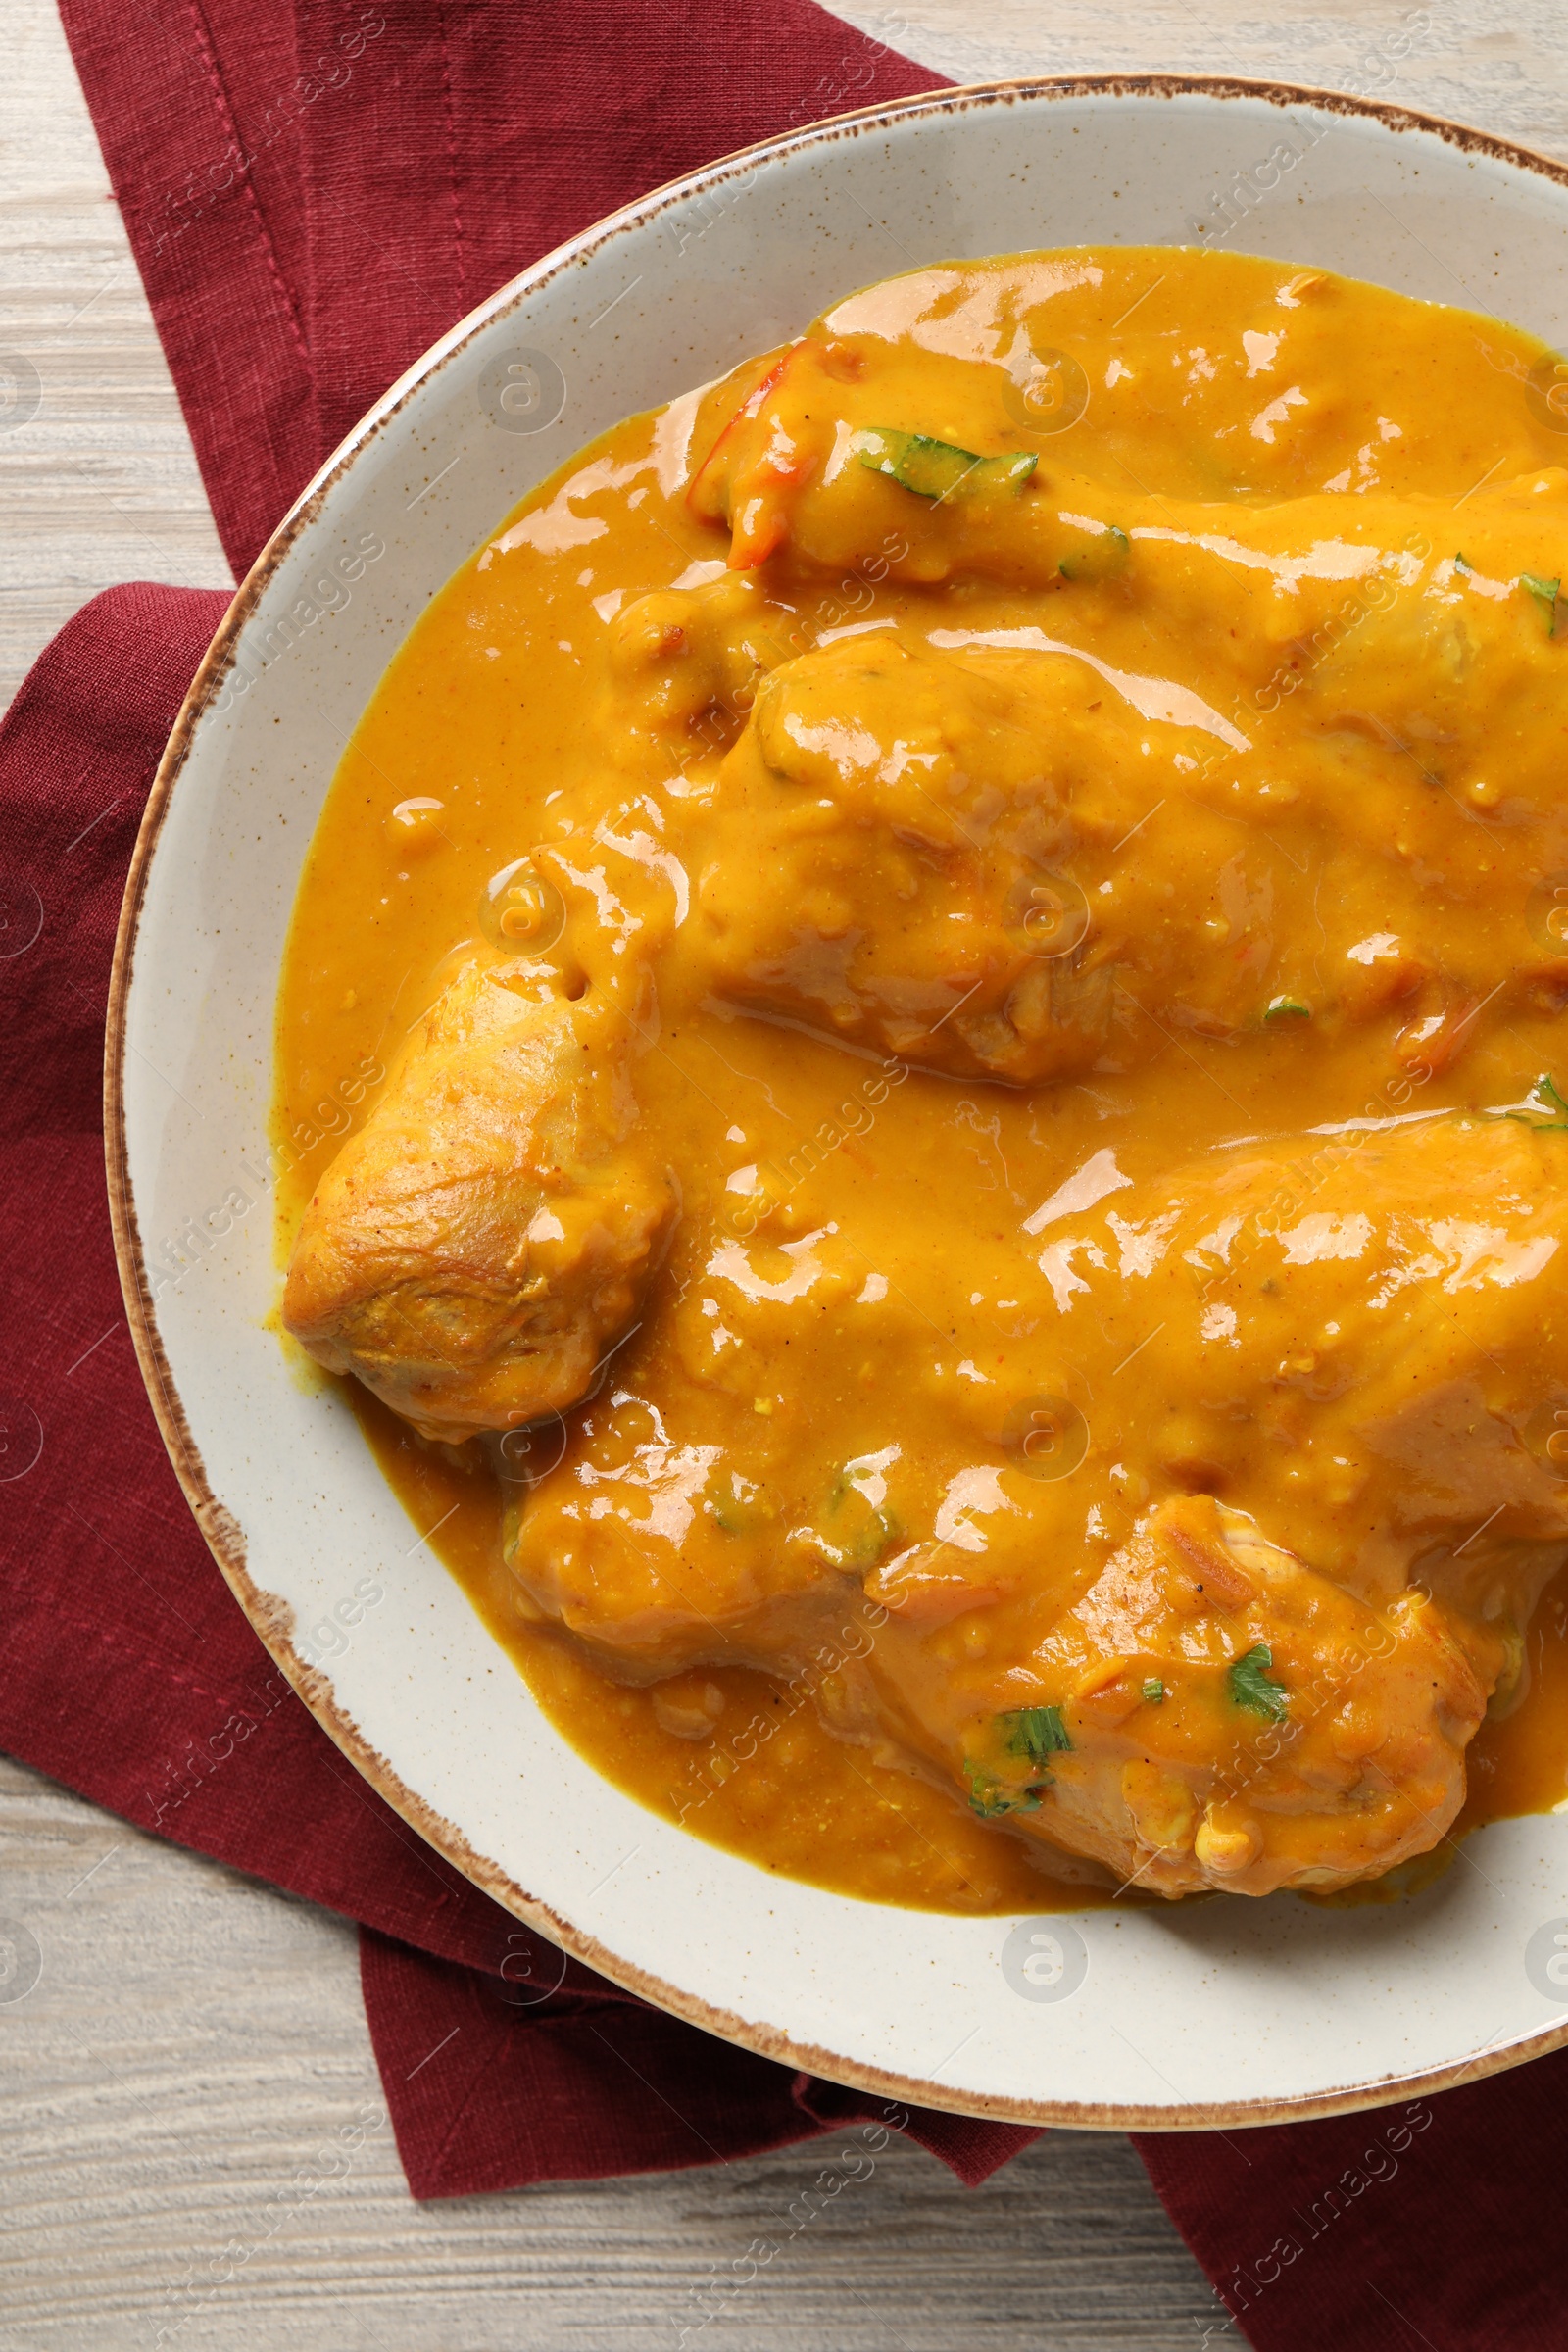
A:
1500,68
179,2080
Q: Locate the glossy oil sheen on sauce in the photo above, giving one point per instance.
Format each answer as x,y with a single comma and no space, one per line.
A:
937,1274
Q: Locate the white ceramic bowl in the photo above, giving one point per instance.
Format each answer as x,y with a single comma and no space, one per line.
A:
1223,2012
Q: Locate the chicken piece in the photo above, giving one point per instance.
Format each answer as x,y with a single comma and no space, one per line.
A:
809,468
1319,1741
963,858
1362,660
842,458
1233,1623
880,862
479,1244
1350,1341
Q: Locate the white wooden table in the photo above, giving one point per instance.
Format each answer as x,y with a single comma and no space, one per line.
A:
194,2037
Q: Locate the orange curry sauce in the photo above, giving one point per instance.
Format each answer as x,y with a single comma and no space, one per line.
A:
1203,426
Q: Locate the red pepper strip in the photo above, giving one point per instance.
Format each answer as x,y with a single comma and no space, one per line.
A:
760,525
750,407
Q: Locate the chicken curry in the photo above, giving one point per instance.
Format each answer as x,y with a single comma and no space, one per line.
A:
962,942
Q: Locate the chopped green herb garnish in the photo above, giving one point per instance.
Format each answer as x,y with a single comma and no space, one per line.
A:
1281,1008
991,1801
1153,1690
940,469
1252,1686
737,1507
1543,1107
1037,1733
861,1531
877,1538
1101,559
1462,562
1544,593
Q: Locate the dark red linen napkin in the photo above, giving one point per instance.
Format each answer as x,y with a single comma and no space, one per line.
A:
1434,2222
128,1671
313,195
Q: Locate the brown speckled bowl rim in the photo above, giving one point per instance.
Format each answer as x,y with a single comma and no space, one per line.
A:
271,1618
